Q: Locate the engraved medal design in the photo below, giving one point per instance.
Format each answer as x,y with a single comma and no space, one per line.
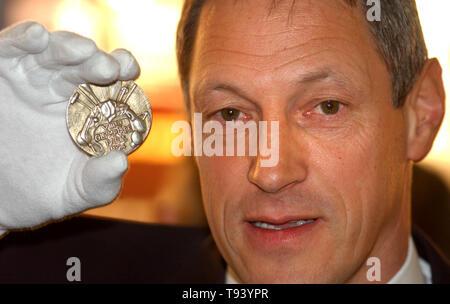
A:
105,118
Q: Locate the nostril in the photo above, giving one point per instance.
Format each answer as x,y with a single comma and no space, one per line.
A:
273,179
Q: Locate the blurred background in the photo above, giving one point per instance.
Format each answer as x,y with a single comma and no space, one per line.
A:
159,187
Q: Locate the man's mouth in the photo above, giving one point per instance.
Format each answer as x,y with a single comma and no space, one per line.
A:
287,225
268,232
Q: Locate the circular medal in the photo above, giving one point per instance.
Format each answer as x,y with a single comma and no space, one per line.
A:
105,118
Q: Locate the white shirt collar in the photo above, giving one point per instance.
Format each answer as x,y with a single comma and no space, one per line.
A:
229,279
413,271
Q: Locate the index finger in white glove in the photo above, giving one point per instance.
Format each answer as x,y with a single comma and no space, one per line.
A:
101,68
25,38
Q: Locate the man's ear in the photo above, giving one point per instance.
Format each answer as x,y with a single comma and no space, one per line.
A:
425,108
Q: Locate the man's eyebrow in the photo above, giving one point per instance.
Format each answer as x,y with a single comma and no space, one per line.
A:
225,87
321,75
314,76
304,78
230,88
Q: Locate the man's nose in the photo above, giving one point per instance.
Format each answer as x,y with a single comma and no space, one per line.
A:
291,168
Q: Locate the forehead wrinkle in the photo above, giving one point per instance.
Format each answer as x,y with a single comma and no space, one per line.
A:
205,52
254,68
289,10
322,74
354,65
309,76
235,37
260,21
300,58
305,29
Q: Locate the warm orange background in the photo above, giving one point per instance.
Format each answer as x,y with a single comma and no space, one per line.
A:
158,186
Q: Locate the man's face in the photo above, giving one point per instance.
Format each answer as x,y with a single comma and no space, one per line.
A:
313,67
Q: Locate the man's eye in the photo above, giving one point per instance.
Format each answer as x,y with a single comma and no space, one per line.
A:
230,114
330,107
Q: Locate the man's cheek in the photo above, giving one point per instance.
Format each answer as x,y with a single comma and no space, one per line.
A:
347,169
363,182
223,179
223,171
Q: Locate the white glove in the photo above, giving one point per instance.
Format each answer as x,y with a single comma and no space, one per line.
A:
43,175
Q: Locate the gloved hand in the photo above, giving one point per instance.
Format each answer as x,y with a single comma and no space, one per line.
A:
43,175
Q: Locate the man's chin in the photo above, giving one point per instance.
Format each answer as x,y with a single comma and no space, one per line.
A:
305,254
285,269
283,277
286,265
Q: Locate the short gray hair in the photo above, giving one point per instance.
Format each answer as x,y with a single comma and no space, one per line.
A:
398,37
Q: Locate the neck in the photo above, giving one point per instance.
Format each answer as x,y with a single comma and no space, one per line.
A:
391,245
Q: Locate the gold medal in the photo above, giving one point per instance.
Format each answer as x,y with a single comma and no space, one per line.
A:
105,118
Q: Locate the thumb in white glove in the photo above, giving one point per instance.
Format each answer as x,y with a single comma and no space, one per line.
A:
95,181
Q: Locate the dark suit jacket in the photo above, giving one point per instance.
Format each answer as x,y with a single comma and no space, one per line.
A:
113,251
